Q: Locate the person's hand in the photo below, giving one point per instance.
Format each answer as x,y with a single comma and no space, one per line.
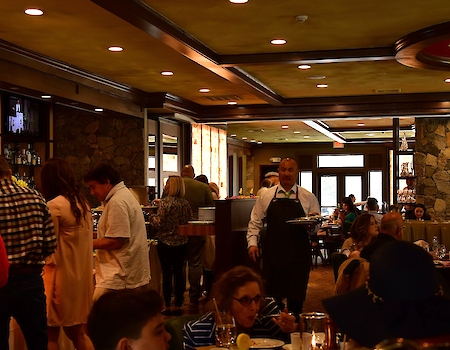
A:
354,254
253,252
286,322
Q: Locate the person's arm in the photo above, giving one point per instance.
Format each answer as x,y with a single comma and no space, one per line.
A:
49,242
4,264
255,225
108,243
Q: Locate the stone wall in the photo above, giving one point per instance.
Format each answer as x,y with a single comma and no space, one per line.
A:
432,166
86,139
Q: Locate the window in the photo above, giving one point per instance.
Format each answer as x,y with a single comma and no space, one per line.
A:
328,194
376,185
305,180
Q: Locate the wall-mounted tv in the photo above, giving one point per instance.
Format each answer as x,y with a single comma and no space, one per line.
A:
22,116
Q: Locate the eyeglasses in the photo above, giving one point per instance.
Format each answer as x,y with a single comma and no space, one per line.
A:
246,301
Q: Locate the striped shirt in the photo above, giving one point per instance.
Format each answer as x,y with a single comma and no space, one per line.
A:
201,332
25,225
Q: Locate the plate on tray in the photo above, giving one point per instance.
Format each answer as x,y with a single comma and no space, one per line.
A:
265,343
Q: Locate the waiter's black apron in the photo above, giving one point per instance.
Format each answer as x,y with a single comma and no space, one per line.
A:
287,250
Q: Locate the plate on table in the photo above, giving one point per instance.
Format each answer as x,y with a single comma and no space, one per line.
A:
287,346
265,343
302,221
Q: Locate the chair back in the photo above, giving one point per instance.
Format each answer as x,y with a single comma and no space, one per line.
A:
175,327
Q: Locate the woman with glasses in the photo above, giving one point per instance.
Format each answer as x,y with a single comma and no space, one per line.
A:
239,292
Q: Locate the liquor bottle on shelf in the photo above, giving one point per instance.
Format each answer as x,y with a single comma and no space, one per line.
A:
24,157
17,156
31,183
28,153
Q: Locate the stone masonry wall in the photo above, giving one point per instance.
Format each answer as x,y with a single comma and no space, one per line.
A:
86,139
432,165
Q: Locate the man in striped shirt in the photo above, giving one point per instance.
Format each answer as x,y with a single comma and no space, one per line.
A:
27,230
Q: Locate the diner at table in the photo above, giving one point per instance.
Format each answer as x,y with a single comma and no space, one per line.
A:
239,292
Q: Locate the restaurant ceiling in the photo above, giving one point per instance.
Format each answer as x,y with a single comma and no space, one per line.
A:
350,45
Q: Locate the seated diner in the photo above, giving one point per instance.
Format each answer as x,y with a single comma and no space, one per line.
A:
239,292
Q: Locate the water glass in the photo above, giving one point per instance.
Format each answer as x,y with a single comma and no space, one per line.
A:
226,333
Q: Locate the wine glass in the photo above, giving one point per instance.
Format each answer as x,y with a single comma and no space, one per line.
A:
226,332
440,251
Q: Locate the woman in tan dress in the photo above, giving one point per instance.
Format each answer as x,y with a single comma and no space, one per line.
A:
68,276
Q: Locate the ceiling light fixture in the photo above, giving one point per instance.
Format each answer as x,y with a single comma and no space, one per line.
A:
278,41
447,80
304,66
231,103
301,18
252,140
34,12
46,96
115,48
259,142
233,135
98,109
306,137
322,86
296,132
244,138
316,77
166,73
371,134
360,125
284,126
238,1
324,131
204,90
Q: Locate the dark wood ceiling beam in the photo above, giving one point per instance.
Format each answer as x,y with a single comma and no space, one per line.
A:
311,57
145,18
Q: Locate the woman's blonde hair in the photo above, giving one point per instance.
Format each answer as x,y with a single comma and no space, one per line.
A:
176,186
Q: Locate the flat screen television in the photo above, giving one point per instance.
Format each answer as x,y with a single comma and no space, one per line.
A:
22,116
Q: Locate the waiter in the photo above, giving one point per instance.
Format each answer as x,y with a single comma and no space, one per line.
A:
286,249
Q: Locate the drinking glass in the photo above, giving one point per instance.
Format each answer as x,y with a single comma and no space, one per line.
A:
440,251
225,330
314,323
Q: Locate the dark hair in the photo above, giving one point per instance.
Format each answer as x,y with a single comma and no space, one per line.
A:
102,173
4,167
266,183
351,207
58,178
202,178
372,203
230,282
120,314
358,230
425,215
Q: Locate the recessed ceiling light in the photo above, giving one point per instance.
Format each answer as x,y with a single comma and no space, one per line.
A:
232,103
233,135
259,142
46,96
278,42
98,109
360,125
447,80
301,18
244,138
322,86
252,140
238,1
306,136
14,88
316,77
284,126
204,90
115,48
370,134
304,66
34,12
297,132
166,73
